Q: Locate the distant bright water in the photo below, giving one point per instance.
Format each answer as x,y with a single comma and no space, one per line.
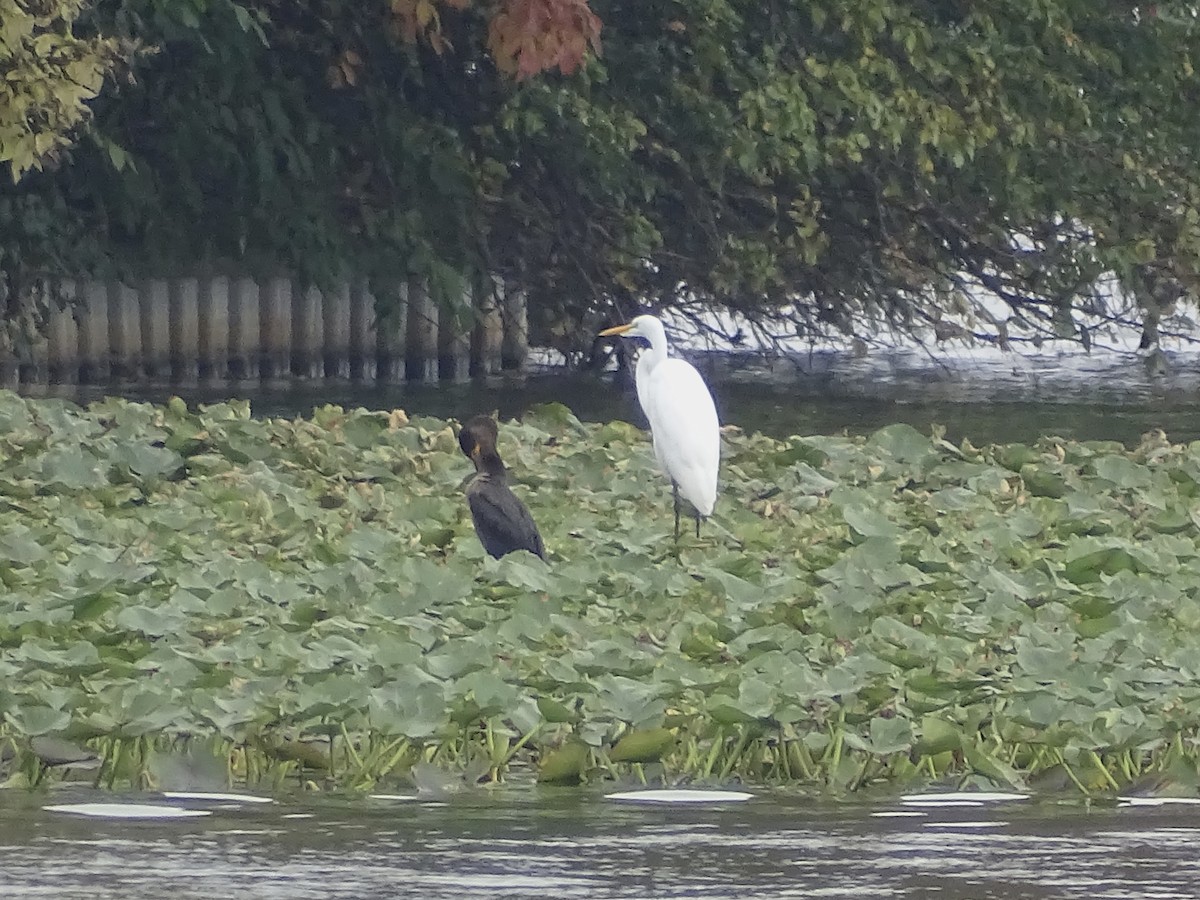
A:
570,844
983,395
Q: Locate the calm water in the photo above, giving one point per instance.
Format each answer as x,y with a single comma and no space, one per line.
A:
579,845
985,397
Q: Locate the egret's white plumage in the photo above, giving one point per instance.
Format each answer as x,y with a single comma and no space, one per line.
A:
682,415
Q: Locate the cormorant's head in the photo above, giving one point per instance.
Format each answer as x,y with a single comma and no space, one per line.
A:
478,437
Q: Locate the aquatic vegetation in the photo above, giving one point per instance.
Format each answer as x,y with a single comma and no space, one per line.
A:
271,598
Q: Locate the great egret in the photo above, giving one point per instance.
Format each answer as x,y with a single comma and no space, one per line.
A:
502,521
683,418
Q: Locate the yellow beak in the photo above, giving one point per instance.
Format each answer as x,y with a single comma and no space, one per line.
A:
616,329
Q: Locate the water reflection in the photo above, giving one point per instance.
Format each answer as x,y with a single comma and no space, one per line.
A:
582,846
983,395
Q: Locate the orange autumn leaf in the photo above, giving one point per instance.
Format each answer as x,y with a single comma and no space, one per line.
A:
525,37
530,36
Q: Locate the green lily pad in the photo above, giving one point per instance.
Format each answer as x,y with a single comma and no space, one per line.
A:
642,746
564,765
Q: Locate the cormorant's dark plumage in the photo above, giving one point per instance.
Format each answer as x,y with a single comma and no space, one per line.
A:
501,519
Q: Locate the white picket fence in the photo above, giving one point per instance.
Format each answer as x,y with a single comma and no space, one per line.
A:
218,328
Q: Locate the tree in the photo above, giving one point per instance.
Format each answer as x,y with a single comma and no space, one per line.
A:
857,165
839,166
47,76
524,37
260,134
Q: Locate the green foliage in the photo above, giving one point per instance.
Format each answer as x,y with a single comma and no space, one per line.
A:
849,164
47,76
875,162
51,68
309,593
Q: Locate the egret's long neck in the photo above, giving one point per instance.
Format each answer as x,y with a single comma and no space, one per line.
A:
656,352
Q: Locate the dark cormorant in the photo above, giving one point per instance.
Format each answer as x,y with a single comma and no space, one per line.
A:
501,519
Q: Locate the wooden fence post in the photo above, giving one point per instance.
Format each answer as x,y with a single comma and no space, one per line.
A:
488,337
93,334
364,353
62,337
275,328
307,333
391,334
421,347
336,321
155,300
245,319
185,330
214,329
124,331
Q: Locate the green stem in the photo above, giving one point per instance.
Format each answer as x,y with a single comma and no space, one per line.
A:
783,760
521,742
712,757
735,756
834,753
114,758
351,752
927,762
1099,764
1071,774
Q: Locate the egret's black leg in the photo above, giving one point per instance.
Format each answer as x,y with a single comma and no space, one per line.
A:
697,524
675,493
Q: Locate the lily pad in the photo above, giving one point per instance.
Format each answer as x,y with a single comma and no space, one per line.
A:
127,811
216,797
682,796
305,600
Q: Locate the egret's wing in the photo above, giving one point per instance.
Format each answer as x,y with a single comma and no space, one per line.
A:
642,378
687,435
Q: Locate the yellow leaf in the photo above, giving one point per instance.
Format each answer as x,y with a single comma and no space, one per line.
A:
425,13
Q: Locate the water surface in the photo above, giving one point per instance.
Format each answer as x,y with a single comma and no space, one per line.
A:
575,844
985,396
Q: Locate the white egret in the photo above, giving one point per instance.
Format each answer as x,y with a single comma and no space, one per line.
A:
502,521
682,415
